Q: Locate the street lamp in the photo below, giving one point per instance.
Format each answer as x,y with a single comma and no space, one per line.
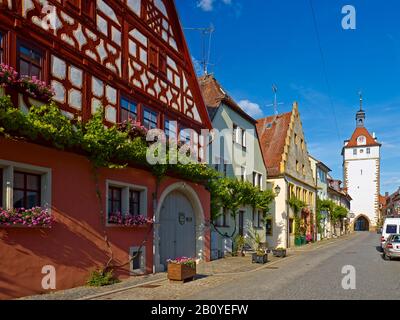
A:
277,190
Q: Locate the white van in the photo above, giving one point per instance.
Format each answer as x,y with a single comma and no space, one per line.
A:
390,226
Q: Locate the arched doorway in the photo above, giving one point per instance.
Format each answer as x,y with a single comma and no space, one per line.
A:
361,224
179,217
177,228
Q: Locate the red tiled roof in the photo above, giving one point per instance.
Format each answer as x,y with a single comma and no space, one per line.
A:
272,140
214,95
361,131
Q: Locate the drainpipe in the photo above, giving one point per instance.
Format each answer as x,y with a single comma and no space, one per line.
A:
287,213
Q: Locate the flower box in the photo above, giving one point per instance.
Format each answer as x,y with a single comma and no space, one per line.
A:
180,272
127,220
256,258
181,269
26,218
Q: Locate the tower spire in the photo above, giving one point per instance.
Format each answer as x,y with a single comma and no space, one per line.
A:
360,115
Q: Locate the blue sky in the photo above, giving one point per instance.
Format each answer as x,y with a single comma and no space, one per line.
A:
260,42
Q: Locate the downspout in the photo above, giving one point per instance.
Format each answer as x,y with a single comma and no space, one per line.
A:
287,212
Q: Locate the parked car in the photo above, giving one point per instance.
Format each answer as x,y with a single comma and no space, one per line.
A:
392,247
390,226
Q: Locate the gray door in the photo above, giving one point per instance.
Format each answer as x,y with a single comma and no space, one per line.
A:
177,228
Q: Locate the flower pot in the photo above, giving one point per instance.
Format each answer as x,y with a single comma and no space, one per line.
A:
279,253
255,258
180,272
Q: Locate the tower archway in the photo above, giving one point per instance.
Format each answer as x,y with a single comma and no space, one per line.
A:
361,223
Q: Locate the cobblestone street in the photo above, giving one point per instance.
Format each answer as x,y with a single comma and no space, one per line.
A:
308,272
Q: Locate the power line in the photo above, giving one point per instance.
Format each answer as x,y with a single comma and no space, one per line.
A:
324,69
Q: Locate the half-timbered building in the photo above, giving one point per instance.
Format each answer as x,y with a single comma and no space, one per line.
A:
130,57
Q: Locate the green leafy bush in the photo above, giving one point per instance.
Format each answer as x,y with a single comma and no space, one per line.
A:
100,278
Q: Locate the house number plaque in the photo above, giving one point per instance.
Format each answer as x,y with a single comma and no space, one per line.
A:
182,218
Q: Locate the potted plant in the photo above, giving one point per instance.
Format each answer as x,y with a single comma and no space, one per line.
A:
279,252
259,257
181,269
239,245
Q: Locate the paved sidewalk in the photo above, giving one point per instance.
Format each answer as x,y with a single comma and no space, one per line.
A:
208,273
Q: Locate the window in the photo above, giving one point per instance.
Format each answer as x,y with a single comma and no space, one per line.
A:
303,169
225,169
134,202
368,150
239,136
268,226
26,191
391,228
128,110
126,199
297,166
355,152
1,48
295,138
114,200
171,129
257,218
184,136
150,119
257,180
222,220
30,62
322,175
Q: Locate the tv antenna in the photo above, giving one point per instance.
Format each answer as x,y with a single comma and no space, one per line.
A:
206,48
276,103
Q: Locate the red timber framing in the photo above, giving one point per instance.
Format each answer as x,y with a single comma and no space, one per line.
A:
97,51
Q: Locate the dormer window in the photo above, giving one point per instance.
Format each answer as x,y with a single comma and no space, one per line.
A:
361,140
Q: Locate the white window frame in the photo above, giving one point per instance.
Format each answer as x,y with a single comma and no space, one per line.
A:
126,187
9,167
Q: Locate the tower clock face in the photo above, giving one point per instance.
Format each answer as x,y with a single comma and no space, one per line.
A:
361,140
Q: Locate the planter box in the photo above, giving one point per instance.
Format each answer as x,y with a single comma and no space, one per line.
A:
259,259
180,272
279,253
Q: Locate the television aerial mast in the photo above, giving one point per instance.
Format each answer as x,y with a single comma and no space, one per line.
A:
206,34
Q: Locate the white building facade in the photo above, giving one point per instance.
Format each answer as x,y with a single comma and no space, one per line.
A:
361,171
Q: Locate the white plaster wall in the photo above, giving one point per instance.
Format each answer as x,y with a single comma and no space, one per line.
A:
361,153
362,183
279,216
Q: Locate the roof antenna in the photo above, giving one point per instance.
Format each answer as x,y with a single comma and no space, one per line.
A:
276,103
361,99
206,48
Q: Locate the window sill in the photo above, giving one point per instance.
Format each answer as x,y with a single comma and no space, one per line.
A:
121,226
21,226
218,226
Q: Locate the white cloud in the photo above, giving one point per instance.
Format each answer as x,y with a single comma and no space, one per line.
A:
205,5
208,5
251,108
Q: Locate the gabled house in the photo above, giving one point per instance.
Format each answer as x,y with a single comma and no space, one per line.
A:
289,172
321,172
340,197
238,156
131,58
